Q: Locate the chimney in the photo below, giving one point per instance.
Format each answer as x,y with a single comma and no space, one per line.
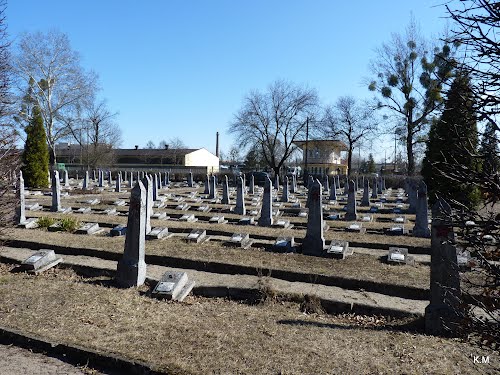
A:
217,144
166,147
136,147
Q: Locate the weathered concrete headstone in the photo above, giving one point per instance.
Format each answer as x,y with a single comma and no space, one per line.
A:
118,186
339,249
85,184
225,191
374,188
310,181
110,179
365,201
100,182
379,185
412,196
56,192
251,187
213,188
333,190
21,207
314,241
351,202
88,228
155,187
190,180
286,187
277,182
266,214
93,175
157,233
240,197
131,180
147,185
66,178
207,185
131,269
443,313
326,187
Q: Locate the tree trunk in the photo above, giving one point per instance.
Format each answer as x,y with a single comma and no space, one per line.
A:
349,160
409,154
276,171
52,157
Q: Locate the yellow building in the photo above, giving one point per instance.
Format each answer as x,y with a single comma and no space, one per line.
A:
323,157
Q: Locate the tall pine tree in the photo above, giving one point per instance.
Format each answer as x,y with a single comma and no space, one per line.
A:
452,146
36,153
489,150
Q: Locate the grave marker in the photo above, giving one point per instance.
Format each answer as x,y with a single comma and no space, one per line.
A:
314,241
131,269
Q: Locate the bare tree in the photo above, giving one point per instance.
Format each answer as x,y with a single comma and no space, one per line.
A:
49,71
274,120
350,122
97,133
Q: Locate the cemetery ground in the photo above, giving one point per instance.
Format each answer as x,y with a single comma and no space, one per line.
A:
253,310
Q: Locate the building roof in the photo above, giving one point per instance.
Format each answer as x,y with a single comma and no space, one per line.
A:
332,142
154,151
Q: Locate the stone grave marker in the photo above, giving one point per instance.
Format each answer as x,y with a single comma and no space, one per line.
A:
240,197
118,186
160,216
396,230
246,221
339,249
197,236
412,195
225,191
85,184
284,244
356,228
351,202
119,230
286,188
88,228
333,190
56,193
241,240
217,220
367,218
374,188
421,228
207,185
190,218
442,315
173,286
365,201
131,268
266,216
204,208
157,233
314,241
399,255
83,210
41,261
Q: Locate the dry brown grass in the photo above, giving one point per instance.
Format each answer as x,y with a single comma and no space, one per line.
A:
358,266
218,336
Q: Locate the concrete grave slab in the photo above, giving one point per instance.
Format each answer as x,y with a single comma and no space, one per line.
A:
217,220
204,208
284,244
119,202
366,218
83,210
246,221
356,228
30,223
33,207
197,236
241,240
157,233
160,216
339,249
119,230
399,255
110,211
173,286
396,230
40,261
284,224
88,228
190,218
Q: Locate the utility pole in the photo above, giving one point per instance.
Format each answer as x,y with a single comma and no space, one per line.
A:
394,152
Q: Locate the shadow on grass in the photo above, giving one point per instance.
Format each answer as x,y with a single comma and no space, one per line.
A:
410,326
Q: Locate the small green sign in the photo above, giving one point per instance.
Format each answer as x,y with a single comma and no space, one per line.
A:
61,166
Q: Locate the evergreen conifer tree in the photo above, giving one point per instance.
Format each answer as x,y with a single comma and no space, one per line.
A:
489,150
451,147
36,153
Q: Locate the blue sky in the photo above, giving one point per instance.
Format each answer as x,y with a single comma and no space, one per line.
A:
181,68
